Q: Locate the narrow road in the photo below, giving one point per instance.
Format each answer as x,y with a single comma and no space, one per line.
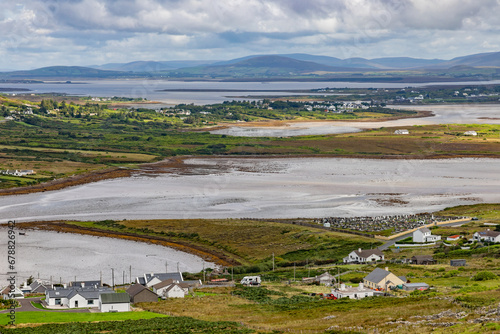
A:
393,241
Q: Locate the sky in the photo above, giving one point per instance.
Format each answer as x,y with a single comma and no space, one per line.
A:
93,32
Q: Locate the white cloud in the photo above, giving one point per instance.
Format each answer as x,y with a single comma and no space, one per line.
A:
90,31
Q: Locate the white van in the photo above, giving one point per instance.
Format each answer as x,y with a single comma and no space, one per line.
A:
251,280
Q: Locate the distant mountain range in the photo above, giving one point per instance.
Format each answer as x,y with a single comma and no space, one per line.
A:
264,66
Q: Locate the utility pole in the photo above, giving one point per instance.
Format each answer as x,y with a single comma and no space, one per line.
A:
273,261
294,271
123,281
203,272
130,274
113,278
166,266
100,276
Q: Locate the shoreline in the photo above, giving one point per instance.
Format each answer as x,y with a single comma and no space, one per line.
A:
178,163
63,227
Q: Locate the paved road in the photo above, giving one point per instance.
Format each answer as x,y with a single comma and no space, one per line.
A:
27,307
393,241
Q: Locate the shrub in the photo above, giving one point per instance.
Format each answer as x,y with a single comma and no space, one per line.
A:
484,276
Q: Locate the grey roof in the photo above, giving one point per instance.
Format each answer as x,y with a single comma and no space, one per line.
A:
377,275
141,280
403,278
114,298
424,229
367,252
86,283
489,233
86,292
38,286
164,276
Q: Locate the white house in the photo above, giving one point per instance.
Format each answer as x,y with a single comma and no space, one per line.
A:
365,255
174,291
402,132
17,293
453,237
424,235
161,287
151,279
489,236
352,292
470,133
114,302
75,297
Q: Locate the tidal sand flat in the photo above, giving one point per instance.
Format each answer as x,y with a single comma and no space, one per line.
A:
228,187
65,256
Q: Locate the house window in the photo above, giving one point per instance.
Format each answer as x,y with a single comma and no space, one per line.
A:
90,302
58,301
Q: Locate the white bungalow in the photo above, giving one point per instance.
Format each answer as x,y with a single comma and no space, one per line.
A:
352,292
489,236
365,255
174,291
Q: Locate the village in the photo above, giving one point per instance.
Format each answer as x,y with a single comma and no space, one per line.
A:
373,278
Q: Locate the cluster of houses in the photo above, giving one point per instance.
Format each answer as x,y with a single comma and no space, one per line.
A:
93,294
376,283
487,236
17,172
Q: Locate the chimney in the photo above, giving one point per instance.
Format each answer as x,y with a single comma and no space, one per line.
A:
386,268
342,286
65,286
361,286
83,284
359,250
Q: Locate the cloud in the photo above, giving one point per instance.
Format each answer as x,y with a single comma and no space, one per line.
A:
95,30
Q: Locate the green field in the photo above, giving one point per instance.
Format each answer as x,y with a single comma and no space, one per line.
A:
38,317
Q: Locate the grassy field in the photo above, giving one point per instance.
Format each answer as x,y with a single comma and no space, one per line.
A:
248,242
38,317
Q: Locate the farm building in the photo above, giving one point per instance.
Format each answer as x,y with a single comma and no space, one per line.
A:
458,263
423,259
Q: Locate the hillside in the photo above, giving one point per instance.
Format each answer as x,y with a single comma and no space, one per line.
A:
64,72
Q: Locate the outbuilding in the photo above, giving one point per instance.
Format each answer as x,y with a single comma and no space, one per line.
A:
114,302
139,293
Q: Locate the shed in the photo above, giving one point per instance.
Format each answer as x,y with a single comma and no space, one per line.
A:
458,263
139,293
423,259
114,302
